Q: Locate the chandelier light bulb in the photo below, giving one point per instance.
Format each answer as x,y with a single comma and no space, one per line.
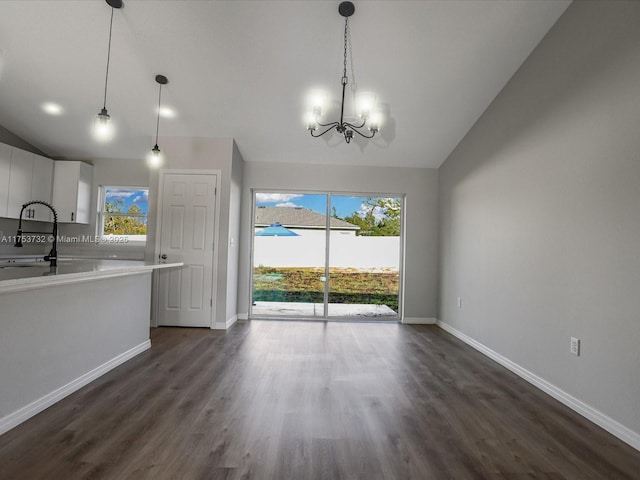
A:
375,121
310,121
316,101
365,104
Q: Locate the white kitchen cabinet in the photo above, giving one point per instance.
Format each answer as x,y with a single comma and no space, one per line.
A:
30,178
5,169
20,178
42,187
72,184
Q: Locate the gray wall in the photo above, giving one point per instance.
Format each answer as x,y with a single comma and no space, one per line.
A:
540,222
233,258
421,188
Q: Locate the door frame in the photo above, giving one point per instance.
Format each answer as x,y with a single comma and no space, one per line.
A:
158,233
329,193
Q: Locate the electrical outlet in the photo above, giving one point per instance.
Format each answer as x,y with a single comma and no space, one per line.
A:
574,348
459,302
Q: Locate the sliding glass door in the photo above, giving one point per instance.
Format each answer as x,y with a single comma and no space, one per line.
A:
326,255
364,263
289,254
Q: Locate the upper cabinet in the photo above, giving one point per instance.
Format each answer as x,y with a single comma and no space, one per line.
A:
20,182
72,182
42,187
26,176
5,169
30,178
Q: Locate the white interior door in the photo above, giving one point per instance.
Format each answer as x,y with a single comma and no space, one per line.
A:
186,235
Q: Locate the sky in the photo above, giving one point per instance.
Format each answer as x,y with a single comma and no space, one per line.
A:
130,196
345,205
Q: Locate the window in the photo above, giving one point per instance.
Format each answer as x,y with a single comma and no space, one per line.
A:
122,213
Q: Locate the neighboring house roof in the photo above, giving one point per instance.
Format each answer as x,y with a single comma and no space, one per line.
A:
298,217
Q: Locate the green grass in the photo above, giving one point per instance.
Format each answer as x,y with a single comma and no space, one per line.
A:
346,285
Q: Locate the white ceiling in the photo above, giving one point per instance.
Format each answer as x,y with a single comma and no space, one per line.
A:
241,69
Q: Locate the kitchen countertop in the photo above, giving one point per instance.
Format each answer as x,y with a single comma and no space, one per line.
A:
28,275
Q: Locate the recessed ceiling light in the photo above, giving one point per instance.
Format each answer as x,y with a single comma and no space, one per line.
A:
166,112
52,108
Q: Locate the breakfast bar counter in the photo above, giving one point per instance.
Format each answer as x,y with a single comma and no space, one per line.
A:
62,327
27,275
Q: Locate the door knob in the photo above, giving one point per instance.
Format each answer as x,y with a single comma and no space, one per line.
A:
163,256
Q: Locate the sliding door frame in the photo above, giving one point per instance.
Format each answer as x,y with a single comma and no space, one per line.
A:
329,194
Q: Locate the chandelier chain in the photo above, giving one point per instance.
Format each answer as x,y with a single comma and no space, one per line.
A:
346,30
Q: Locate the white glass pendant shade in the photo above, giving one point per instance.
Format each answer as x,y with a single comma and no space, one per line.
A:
103,129
155,157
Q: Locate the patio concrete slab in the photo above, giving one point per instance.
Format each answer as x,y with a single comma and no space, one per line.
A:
300,309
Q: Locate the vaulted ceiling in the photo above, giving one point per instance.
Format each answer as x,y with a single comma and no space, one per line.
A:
242,69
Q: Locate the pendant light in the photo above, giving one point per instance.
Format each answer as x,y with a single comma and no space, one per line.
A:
367,114
155,157
103,128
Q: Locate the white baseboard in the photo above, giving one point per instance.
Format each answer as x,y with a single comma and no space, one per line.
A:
25,413
419,321
243,316
609,424
226,325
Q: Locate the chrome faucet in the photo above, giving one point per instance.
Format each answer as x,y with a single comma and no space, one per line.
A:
52,258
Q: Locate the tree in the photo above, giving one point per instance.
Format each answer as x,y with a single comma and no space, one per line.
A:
124,223
378,217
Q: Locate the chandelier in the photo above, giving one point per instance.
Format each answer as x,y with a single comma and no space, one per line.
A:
367,120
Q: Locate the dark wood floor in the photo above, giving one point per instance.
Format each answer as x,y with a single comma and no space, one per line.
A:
293,400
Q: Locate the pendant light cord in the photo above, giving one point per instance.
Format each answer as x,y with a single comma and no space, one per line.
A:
106,78
158,119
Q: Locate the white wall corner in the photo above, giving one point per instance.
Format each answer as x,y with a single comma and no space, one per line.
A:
609,424
226,325
419,320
